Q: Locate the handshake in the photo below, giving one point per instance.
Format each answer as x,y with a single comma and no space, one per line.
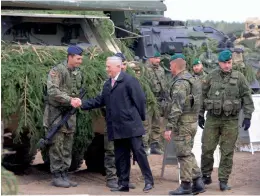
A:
75,102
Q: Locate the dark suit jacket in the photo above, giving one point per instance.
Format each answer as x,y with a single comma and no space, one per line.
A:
125,107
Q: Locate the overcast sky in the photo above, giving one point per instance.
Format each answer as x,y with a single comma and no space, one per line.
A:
217,10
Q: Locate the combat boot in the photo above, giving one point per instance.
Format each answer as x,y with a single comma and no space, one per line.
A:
147,151
198,186
65,178
207,179
183,189
58,181
112,183
155,149
223,186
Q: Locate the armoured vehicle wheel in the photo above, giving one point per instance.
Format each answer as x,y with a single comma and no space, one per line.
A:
94,156
21,157
76,162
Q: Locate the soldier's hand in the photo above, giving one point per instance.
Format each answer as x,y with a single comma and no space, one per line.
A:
75,102
167,135
201,121
246,124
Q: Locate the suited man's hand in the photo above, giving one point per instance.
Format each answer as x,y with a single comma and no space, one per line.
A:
201,122
75,102
246,124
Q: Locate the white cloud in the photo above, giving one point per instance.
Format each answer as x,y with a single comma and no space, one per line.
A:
227,10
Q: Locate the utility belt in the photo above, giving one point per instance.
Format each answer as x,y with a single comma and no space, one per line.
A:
218,107
188,118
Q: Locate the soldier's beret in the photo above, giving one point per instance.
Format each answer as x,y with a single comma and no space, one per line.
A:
177,56
196,62
224,56
157,54
121,55
75,50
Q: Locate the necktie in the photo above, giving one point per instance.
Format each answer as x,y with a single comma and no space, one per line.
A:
113,82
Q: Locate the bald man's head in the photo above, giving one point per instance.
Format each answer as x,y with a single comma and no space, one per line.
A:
177,66
113,66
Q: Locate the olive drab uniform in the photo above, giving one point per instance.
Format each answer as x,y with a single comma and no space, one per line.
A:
223,95
200,75
182,121
153,134
62,84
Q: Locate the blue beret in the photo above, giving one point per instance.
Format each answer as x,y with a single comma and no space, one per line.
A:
224,56
75,50
120,55
177,56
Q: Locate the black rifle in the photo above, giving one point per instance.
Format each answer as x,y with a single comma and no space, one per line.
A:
43,142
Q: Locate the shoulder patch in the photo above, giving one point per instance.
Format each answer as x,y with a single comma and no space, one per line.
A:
54,72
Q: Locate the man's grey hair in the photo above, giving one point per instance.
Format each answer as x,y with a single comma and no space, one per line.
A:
115,60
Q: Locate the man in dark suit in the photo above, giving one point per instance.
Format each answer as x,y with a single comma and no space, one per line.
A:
125,110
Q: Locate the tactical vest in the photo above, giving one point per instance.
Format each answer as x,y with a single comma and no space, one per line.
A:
157,77
193,100
223,95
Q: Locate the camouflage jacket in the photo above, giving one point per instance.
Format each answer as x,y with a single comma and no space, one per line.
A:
62,84
224,94
200,75
179,94
155,73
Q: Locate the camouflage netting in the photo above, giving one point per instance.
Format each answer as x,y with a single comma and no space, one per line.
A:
24,74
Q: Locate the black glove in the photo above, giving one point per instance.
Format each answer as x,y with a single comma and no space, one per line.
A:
201,122
246,123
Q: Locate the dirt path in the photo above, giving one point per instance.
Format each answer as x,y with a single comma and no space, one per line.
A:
244,179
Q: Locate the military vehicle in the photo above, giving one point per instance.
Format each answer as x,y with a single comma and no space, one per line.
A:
252,32
41,30
250,42
57,30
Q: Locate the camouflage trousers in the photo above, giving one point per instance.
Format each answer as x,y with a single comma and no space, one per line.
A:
224,133
60,150
183,139
109,160
153,132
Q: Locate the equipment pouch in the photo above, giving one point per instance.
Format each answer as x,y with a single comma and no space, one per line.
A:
227,107
208,104
217,105
236,107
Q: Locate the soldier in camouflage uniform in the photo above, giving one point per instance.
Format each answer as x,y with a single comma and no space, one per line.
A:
156,76
197,68
63,87
111,172
209,60
182,124
224,92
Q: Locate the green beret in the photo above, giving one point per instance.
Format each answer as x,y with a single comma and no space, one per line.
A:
224,56
177,56
196,62
157,54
